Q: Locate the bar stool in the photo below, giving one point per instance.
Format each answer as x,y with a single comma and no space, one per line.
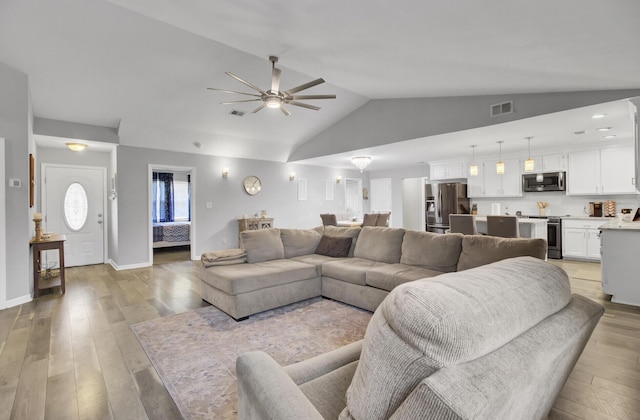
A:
463,223
504,226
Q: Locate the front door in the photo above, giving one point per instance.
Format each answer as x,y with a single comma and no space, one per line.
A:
73,204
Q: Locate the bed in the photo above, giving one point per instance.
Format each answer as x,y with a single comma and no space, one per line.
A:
171,234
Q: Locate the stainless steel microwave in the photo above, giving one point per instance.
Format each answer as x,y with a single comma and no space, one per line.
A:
548,181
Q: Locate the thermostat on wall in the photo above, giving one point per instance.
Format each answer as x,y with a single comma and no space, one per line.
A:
14,183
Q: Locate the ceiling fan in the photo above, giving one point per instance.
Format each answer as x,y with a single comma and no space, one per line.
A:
274,97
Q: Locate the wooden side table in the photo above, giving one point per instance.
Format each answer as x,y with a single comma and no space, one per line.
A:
40,283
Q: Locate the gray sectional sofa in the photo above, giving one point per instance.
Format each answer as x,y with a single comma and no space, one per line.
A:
493,342
283,265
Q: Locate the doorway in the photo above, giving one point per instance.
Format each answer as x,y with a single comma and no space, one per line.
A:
353,197
381,199
73,204
171,210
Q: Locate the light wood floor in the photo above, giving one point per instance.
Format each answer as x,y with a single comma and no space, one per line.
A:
75,357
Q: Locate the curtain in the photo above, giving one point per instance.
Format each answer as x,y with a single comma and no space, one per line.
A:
162,197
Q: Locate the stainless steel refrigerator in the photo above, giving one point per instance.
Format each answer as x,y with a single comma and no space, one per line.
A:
442,200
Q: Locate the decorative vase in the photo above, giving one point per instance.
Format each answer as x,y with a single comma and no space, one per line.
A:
543,211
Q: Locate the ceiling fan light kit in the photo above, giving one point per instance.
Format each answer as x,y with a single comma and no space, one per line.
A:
274,97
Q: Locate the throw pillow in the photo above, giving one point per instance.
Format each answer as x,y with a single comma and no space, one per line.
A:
333,246
262,245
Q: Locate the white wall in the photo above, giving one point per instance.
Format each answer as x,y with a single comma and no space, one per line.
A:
14,127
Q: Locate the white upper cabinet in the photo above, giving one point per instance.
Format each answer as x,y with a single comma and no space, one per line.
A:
617,170
489,184
606,171
447,170
547,163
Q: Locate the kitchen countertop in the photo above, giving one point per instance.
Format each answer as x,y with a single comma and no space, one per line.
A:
584,217
616,225
520,220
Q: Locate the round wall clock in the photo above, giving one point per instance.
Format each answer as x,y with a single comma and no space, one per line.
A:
252,185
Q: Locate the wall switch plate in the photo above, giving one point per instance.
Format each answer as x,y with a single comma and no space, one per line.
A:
14,183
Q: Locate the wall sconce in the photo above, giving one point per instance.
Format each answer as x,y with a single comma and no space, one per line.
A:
292,176
500,164
338,179
225,172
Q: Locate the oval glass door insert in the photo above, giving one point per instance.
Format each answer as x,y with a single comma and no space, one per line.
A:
76,206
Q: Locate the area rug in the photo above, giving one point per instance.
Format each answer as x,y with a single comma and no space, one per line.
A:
195,352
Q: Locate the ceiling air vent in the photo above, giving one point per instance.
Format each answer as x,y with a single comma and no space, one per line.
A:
502,108
237,113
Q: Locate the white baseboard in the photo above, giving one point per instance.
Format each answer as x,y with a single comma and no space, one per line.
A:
18,301
128,266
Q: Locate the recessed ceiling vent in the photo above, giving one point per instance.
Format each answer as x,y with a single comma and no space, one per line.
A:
502,108
237,113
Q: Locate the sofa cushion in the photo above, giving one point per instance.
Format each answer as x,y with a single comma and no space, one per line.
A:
351,232
334,246
387,277
242,278
262,245
426,325
316,260
380,244
299,241
431,250
351,270
479,250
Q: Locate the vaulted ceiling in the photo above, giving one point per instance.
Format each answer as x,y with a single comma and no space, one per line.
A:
144,65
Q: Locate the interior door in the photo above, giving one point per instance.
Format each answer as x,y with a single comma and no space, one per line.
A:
380,195
73,204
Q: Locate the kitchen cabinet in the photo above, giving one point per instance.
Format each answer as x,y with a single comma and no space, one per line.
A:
606,171
617,170
547,163
447,170
490,184
581,239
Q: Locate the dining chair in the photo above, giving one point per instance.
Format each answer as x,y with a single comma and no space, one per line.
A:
370,219
383,219
504,226
463,223
329,219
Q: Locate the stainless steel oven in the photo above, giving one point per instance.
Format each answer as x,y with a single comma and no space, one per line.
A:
554,236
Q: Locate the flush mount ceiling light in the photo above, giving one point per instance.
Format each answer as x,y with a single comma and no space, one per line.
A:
76,147
473,168
500,164
529,164
361,162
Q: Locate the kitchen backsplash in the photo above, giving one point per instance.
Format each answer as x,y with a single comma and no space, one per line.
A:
560,204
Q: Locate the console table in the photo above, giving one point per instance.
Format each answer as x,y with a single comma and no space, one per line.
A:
39,282
255,223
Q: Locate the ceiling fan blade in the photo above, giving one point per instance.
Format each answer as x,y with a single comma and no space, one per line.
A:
315,108
284,110
237,102
275,79
252,86
234,91
307,85
312,97
262,105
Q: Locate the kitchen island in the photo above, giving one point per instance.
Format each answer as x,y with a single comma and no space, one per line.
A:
620,243
529,228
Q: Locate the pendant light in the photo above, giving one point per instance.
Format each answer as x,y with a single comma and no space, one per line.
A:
473,168
500,164
529,164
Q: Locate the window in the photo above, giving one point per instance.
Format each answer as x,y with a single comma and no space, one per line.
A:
76,207
171,197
